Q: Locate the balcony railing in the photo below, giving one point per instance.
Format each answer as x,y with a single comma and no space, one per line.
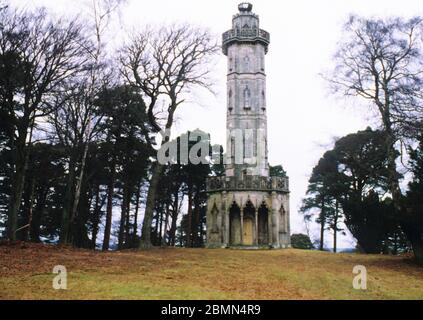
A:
248,183
245,34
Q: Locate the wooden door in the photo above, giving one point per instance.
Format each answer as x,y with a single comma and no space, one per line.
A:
248,232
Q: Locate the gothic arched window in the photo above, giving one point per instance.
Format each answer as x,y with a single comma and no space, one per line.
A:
247,97
230,100
263,100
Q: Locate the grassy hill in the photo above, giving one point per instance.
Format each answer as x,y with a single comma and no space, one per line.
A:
26,273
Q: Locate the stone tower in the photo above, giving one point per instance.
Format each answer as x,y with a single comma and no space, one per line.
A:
247,206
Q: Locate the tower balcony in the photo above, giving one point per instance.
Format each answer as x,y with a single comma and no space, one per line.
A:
247,183
246,35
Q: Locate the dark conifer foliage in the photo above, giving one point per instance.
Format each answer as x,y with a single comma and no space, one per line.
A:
78,134
350,184
413,219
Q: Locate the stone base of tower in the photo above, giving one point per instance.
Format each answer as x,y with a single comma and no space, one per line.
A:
251,213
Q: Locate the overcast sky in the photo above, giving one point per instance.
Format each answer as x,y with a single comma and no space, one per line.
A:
303,117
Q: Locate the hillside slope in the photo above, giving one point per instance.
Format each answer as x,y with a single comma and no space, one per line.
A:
26,273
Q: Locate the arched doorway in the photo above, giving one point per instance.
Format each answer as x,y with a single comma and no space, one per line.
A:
235,224
248,225
263,225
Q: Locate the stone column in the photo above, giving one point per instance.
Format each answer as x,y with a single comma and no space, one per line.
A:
227,228
208,218
242,224
256,228
225,222
287,221
221,220
275,220
269,224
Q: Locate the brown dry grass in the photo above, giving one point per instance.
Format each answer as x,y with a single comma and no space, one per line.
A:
26,273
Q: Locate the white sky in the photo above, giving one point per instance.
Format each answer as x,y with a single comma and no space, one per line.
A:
303,118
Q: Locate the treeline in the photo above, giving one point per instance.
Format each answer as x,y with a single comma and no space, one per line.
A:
349,186
80,126
361,180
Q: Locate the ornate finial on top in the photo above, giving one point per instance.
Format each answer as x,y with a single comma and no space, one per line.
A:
245,7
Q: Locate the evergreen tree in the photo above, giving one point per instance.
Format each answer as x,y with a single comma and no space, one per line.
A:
413,219
348,185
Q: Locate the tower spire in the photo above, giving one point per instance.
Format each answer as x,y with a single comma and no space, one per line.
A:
246,45
236,222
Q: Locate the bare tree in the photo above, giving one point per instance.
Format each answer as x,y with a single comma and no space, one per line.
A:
165,65
76,122
75,126
381,61
102,12
45,53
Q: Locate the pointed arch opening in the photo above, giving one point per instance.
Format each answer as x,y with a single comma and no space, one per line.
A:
263,225
248,224
235,224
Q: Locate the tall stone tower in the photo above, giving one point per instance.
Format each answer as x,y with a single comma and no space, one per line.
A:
247,207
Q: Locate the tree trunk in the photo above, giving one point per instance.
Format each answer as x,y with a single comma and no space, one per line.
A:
393,179
137,205
122,217
110,192
415,236
164,237
158,210
417,241
322,226
175,212
30,210
196,218
38,213
67,206
335,225
395,249
18,183
160,228
145,242
96,217
79,229
79,185
189,218
126,236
